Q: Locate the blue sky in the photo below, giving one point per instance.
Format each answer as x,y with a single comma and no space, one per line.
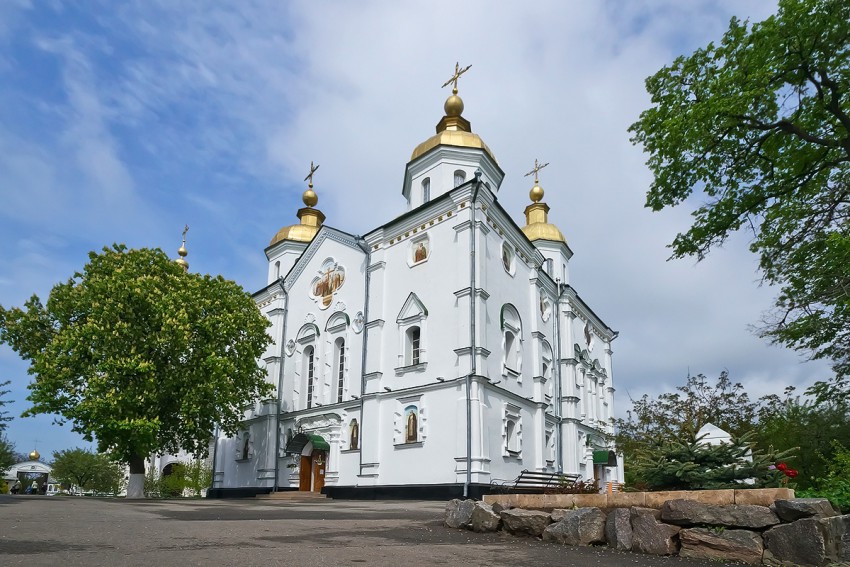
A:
121,122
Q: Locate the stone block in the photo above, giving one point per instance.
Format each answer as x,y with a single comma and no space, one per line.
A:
718,497
484,518
692,513
459,513
722,545
583,526
590,500
551,501
799,543
762,496
618,529
518,521
651,536
799,508
626,499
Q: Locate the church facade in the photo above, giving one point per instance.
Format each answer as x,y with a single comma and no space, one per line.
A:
431,356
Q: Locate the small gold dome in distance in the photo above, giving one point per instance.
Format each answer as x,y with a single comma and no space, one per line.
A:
34,455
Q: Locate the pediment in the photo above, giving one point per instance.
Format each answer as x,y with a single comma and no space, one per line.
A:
412,310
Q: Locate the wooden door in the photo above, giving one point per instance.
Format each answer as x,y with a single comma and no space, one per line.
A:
305,474
319,464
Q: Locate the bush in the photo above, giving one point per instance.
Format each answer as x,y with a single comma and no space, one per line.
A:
835,486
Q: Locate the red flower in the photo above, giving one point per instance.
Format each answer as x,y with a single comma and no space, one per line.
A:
782,466
791,473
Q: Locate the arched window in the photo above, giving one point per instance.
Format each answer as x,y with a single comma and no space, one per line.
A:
246,445
411,427
354,439
512,440
340,368
413,355
460,177
511,341
310,372
277,270
426,189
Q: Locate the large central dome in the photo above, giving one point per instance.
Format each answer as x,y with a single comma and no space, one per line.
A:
452,130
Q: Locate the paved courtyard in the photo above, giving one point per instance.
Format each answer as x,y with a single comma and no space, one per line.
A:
66,531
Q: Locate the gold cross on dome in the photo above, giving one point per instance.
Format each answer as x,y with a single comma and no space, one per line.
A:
185,230
537,168
455,77
309,177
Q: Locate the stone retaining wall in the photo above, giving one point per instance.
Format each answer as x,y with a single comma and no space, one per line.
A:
788,531
756,496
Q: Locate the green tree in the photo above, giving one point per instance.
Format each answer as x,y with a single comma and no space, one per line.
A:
87,470
5,418
198,476
693,464
679,415
7,453
759,124
141,355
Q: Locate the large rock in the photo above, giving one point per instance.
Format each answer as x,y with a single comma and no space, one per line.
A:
459,513
618,529
799,508
584,526
723,545
651,536
519,521
484,519
810,541
691,513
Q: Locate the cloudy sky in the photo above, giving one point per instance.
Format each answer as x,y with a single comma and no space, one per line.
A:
121,122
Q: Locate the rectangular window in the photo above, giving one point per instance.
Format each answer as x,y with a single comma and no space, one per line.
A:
340,372
414,347
310,370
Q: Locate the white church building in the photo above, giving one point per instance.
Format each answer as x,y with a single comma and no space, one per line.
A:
438,352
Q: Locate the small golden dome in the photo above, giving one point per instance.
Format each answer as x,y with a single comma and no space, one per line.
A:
452,138
453,106
543,231
34,455
536,193
310,198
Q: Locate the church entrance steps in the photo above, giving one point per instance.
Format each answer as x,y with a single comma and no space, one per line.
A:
297,495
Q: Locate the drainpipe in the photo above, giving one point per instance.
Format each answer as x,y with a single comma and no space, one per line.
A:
365,247
473,366
558,434
280,386
215,455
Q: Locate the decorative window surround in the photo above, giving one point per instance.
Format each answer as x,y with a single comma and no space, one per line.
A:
512,431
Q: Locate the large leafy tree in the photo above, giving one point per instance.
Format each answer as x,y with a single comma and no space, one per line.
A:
87,470
759,126
141,355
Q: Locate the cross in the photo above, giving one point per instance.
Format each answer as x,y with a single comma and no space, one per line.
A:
537,167
309,177
455,77
185,230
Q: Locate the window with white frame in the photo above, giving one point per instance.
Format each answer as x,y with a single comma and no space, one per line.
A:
339,368
412,320
550,445
511,341
310,373
512,431
546,369
426,189
460,177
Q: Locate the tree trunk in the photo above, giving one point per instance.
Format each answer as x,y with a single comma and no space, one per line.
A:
136,484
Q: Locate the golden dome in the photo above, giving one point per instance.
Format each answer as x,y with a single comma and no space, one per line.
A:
537,225
182,252
452,138
34,455
453,129
296,232
543,231
311,219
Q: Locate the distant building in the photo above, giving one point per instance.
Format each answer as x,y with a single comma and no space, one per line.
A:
29,471
442,350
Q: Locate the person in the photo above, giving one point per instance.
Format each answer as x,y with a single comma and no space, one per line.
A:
34,487
16,487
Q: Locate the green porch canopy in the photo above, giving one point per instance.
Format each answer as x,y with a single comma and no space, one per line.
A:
297,443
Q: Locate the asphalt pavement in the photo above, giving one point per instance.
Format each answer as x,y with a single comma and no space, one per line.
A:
71,531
